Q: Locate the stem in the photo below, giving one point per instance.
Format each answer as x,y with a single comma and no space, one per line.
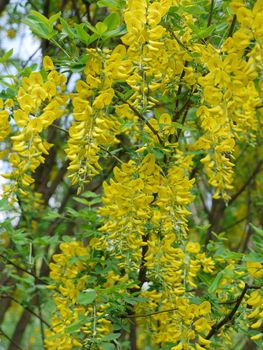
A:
228,317
238,193
22,269
232,26
27,308
112,155
150,314
211,13
60,47
30,57
59,128
155,132
10,340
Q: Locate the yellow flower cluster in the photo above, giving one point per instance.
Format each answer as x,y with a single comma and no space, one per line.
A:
64,273
145,207
158,61
230,96
68,281
141,197
4,122
174,319
94,126
39,103
255,301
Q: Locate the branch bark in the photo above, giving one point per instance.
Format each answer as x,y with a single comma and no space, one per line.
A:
3,4
228,317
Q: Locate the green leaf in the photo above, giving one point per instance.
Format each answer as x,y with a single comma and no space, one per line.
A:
67,29
216,282
81,34
75,326
110,337
6,56
253,258
112,21
51,215
121,30
228,254
81,200
115,4
89,194
54,18
202,33
95,201
108,346
88,25
41,25
74,213
195,10
101,28
40,17
87,297
40,28
258,230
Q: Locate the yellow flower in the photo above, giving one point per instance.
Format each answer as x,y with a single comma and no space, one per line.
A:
255,269
48,63
205,308
177,347
257,336
257,324
193,247
255,298
203,341
202,325
9,103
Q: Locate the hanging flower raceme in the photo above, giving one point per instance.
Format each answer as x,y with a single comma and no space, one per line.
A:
94,126
72,311
40,102
228,114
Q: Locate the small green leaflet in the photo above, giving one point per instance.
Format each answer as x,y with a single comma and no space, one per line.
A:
87,297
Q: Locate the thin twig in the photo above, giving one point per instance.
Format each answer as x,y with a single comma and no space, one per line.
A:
22,269
178,40
255,172
229,316
59,128
109,153
27,308
10,340
234,224
41,321
155,132
211,13
150,314
30,57
232,26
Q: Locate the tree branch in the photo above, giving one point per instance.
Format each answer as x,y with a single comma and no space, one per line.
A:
149,314
228,317
155,132
22,269
240,191
26,308
17,347
19,330
232,26
211,13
